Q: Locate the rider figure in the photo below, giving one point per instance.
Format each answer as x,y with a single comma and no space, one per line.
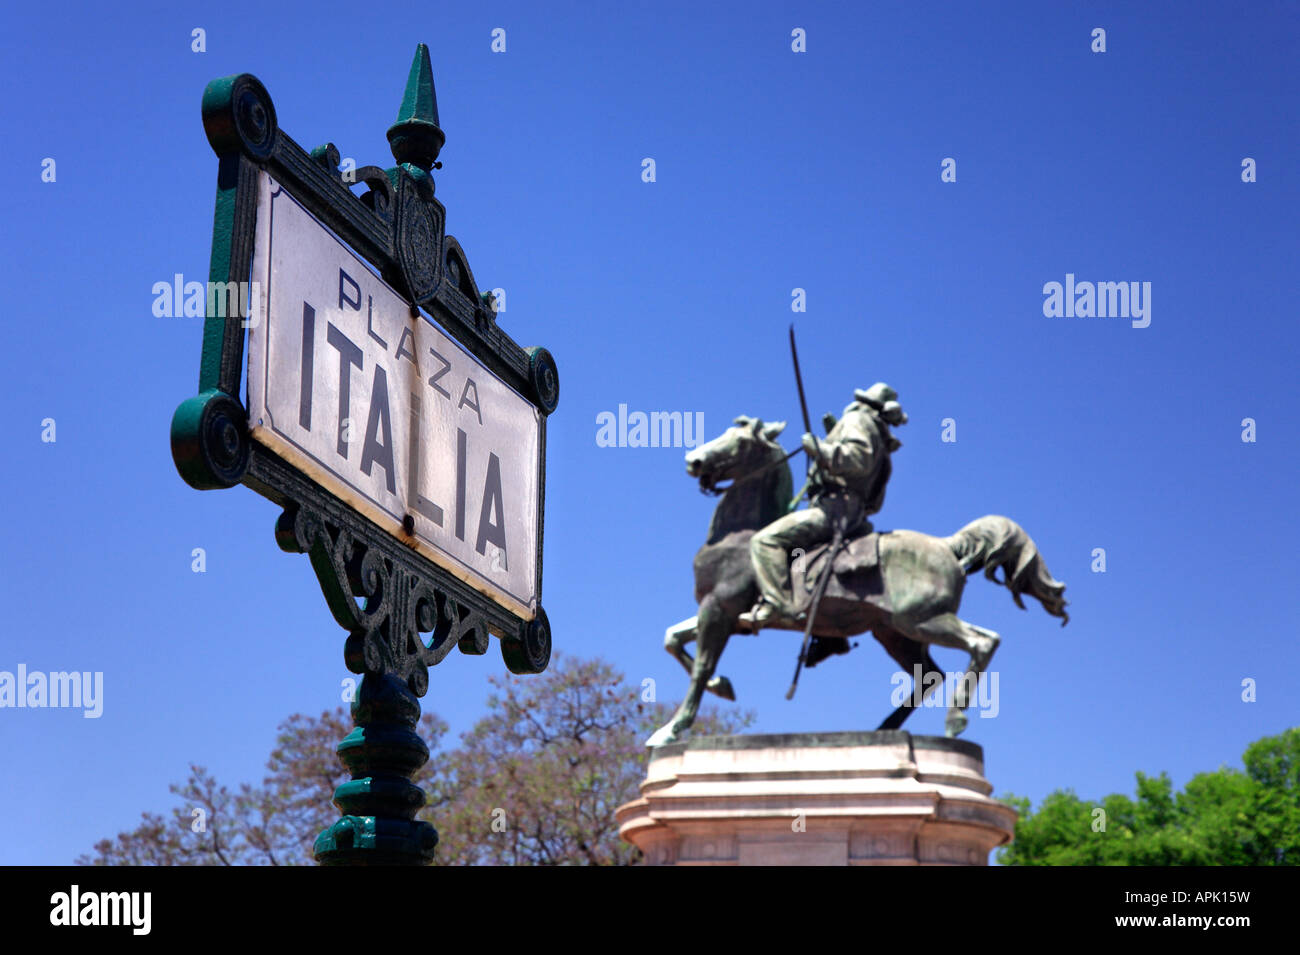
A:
847,483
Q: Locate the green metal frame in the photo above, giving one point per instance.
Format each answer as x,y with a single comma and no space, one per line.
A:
385,594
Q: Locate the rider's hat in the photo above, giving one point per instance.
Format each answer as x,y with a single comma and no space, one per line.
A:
876,395
885,400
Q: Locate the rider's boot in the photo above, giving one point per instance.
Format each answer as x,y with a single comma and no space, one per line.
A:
766,614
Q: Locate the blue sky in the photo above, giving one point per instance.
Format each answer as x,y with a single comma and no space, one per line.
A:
775,170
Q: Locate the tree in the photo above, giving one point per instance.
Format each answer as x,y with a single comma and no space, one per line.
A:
534,782
1225,817
271,824
538,779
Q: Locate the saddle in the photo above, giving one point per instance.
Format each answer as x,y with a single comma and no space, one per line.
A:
855,576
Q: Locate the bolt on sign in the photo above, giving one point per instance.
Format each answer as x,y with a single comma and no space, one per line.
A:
399,428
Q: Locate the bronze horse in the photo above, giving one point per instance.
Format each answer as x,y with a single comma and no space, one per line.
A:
903,586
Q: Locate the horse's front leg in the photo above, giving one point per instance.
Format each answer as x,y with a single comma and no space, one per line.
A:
711,632
675,639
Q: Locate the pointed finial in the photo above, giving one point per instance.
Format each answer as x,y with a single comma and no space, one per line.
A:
416,137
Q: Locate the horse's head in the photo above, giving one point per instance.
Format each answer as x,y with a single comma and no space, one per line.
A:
740,450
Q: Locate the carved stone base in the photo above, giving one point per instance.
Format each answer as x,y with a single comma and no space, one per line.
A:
871,798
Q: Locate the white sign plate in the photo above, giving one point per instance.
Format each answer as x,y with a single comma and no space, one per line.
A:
386,411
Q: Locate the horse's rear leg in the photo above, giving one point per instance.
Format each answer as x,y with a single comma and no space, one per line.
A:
908,654
949,630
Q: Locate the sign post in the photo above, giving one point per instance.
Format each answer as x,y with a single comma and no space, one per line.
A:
401,431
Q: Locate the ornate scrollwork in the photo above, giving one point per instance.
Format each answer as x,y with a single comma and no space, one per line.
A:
545,379
238,114
210,442
403,612
419,235
385,603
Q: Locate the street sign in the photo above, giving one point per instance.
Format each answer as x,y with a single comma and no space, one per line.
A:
382,408
401,431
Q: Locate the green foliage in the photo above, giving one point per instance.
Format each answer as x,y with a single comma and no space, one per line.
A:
534,782
1225,817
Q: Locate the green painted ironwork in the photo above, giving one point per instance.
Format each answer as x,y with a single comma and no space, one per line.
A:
416,137
401,611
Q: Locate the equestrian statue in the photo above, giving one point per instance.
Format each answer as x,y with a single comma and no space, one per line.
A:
824,570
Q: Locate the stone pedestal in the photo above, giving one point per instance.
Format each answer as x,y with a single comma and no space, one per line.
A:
874,798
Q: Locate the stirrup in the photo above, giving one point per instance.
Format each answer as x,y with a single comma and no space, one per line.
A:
759,616
767,615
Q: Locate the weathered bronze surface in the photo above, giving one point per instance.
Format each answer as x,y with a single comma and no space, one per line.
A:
903,586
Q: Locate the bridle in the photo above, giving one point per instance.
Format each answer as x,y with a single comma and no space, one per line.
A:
715,491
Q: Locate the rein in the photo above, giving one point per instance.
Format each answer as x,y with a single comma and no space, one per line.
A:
736,482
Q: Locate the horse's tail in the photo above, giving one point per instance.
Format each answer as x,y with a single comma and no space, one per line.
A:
992,542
